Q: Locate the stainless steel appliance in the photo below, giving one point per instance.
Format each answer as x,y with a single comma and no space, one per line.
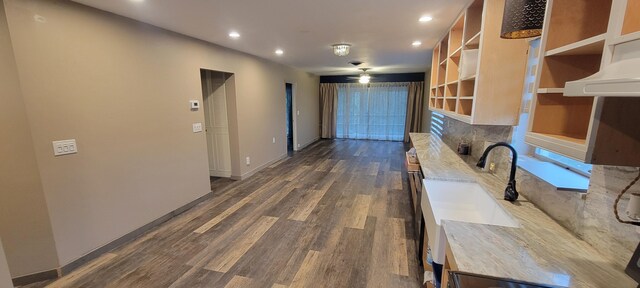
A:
468,280
633,268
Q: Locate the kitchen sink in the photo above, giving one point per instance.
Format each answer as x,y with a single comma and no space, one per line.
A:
458,201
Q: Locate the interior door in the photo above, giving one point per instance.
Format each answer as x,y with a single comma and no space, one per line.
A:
217,125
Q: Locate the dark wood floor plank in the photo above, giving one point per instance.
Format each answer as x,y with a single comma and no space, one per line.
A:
337,214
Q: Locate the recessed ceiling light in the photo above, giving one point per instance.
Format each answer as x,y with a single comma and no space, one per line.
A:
234,35
279,52
416,43
425,19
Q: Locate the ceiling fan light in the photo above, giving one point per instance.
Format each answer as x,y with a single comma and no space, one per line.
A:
341,49
364,78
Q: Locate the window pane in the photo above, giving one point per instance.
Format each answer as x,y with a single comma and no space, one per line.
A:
376,112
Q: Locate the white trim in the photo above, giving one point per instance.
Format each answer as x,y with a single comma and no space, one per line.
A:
309,143
223,174
259,168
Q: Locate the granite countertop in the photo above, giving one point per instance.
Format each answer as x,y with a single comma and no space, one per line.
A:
540,251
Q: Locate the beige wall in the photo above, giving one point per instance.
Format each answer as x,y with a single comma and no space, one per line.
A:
5,276
24,221
121,88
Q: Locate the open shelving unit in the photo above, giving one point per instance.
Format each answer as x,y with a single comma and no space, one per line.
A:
574,46
469,49
631,23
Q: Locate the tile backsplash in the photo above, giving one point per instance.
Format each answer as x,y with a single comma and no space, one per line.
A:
589,216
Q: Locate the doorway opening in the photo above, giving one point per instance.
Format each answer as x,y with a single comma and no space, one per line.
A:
214,103
289,96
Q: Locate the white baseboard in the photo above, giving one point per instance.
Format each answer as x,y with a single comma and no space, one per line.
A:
308,143
257,169
224,174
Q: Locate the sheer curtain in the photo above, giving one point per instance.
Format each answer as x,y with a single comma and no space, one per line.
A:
376,111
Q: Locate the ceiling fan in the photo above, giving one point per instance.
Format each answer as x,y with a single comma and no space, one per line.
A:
364,77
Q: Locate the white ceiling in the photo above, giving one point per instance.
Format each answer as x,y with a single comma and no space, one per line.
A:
381,31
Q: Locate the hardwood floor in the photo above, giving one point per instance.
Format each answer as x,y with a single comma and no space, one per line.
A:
334,215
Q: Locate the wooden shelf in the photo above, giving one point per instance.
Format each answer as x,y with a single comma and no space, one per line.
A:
456,35
456,53
434,63
631,23
465,106
451,89
473,21
572,21
556,70
467,88
550,90
470,78
450,105
589,46
444,49
568,117
473,42
486,100
453,70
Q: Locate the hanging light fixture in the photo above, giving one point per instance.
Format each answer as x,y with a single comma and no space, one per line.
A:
522,18
341,49
365,78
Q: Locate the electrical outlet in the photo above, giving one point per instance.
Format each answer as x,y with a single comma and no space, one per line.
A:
64,147
298,145
492,167
298,112
248,161
274,140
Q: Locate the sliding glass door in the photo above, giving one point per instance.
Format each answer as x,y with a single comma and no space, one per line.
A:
376,111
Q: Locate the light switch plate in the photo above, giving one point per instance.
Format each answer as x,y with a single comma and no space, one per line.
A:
64,147
197,127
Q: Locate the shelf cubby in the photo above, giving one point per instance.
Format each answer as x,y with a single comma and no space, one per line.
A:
432,92
440,91
434,63
456,35
576,20
444,49
556,70
432,102
451,90
589,46
442,73
439,103
473,22
453,70
631,22
473,43
467,88
465,106
564,118
450,105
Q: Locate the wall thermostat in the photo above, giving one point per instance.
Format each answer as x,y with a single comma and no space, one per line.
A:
194,104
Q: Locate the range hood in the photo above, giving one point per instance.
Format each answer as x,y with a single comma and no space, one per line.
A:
619,78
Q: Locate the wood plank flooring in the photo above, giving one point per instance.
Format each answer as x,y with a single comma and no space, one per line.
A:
334,215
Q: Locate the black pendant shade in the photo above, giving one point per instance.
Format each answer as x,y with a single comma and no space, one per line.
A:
522,18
